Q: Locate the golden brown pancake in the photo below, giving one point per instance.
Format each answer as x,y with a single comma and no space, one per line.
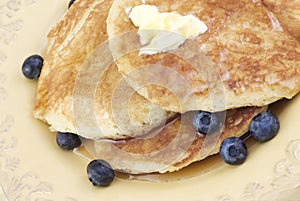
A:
287,13
175,147
74,96
242,56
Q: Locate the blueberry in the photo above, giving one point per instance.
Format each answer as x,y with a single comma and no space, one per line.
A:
71,3
67,141
264,126
100,173
233,151
206,122
32,66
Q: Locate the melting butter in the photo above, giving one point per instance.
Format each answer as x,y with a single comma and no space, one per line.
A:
163,31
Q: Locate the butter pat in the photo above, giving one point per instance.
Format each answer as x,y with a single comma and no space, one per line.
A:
161,32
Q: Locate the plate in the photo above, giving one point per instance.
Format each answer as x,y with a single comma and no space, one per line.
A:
33,167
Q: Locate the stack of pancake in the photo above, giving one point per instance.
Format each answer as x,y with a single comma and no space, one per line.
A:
138,117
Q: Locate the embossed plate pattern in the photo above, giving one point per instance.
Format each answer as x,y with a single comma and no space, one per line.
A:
32,167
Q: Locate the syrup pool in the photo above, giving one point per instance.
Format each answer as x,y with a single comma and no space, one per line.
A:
209,164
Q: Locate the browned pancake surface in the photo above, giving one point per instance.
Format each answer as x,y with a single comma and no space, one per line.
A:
73,44
287,13
73,95
256,62
177,145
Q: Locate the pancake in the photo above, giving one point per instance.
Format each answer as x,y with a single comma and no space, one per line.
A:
176,146
242,60
81,91
77,85
287,13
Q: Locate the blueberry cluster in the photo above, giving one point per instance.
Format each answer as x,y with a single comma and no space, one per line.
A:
99,172
233,150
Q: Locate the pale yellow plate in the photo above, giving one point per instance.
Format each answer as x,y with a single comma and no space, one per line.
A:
32,167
